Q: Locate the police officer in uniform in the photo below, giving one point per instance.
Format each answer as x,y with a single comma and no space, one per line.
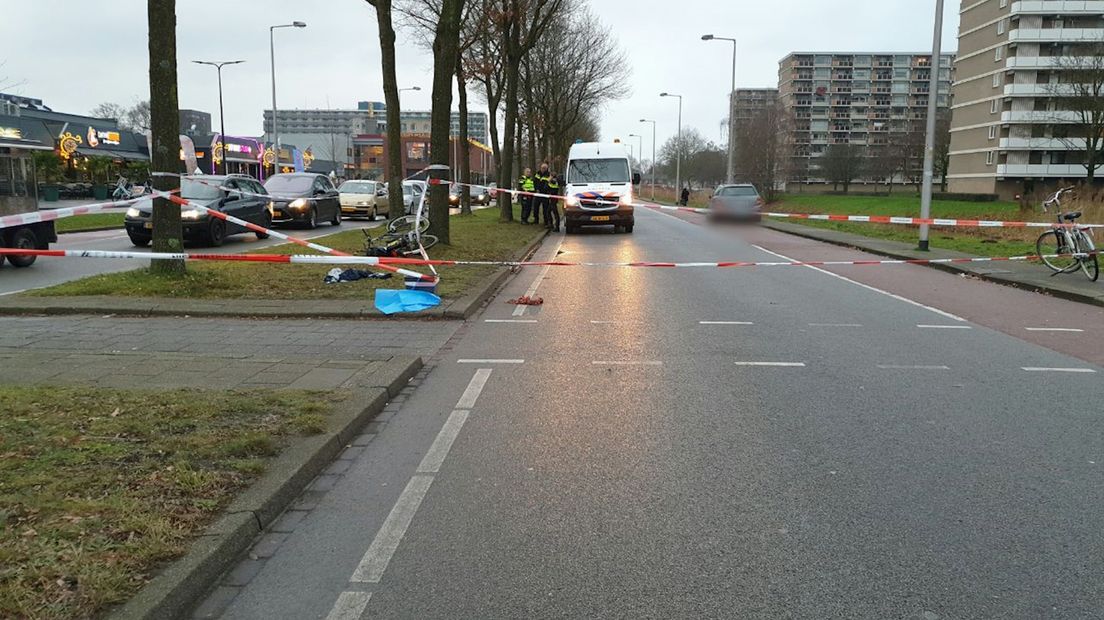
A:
543,182
527,184
552,209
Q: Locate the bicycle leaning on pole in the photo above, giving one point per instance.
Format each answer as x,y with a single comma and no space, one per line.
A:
1067,246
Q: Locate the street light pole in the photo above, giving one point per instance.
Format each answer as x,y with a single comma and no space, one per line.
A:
639,144
678,150
929,140
275,125
644,120
731,110
222,117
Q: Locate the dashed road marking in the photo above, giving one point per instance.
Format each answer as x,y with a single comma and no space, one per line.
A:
725,323
866,286
1073,370
1072,330
509,320
376,559
474,389
773,364
349,606
489,361
944,327
432,461
532,290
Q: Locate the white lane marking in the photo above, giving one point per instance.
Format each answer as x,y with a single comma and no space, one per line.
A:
474,389
944,327
432,461
349,606
866,286
1077,370
489,361
22,290
532,290
510,320
1071,330
378,555
625,363
835,325
775,364
725,323
911,367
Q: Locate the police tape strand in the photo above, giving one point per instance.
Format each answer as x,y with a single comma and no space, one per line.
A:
391,262
590,198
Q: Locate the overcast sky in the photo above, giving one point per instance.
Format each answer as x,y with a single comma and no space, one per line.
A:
74,54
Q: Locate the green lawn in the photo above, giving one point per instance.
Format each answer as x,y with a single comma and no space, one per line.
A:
89,222
476,237
100,486
979,241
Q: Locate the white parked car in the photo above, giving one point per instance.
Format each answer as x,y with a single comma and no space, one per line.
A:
412,194
363,199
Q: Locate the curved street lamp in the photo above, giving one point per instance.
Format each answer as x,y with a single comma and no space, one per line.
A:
731,110
645,120
222,117
272,55
678,151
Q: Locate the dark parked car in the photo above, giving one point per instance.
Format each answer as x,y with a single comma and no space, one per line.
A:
739,203
304,198
199,226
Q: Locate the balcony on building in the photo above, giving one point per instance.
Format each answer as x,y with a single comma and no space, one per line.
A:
1041,170
1056,7
1056,35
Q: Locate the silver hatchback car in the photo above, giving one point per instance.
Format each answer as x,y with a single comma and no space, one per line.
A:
739,203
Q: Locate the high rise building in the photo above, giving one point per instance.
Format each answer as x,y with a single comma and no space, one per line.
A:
1008,136
868,99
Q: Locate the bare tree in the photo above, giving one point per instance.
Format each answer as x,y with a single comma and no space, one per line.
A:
138,117
165,128
943,146
108,110
763,154
881,166
484,60
1080,92
6,82
841,164
394,173
692,143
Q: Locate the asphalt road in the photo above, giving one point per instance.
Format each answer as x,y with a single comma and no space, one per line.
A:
742,443
50,271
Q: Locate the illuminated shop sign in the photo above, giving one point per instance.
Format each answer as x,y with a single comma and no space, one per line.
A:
98,136
67,144
12,133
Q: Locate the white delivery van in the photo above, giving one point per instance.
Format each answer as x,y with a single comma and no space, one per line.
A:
600,187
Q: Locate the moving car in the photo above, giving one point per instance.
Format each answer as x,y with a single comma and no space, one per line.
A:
739,203
252,205
600,186
480,195
412,194
304,198
363,198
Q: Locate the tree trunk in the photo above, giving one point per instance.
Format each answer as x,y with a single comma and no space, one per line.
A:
505,175
531,108
165,129
446,55
465,160
394,173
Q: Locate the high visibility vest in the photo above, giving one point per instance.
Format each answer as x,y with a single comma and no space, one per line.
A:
527,184
553,183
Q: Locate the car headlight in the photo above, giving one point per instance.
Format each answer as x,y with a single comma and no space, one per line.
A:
626,199
572,201
298,203
191,214
133,213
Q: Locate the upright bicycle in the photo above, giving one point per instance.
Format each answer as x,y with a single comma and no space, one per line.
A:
1067,246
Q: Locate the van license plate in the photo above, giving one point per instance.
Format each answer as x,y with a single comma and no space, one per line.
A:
599,218
149,225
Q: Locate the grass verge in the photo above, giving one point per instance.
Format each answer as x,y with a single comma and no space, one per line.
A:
977,241
474,237
98,487
92,221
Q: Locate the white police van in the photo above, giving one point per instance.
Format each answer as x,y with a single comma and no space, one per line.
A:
600,187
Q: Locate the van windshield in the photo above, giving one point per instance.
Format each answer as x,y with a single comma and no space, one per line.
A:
583,171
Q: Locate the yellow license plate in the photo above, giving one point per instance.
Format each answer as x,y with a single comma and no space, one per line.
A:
599,218
277,214
149,225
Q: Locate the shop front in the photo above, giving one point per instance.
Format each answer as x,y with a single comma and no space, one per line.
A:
243,156
18,183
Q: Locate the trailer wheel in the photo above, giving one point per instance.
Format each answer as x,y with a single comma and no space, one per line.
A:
23,239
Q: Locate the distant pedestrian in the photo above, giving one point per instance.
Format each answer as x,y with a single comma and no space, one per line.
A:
684,199
527,184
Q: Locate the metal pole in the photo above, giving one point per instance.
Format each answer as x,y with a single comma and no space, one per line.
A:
929,140
732,121
678,154
222,120
275,126
653,159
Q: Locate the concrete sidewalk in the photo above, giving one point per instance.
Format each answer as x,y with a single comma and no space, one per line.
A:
1029,276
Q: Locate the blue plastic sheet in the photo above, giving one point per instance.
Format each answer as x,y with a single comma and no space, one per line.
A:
393,302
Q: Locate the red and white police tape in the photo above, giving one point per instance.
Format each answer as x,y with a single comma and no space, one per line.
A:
386,262
867,219
48,215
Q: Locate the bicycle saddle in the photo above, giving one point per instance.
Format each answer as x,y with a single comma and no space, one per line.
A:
1069,217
